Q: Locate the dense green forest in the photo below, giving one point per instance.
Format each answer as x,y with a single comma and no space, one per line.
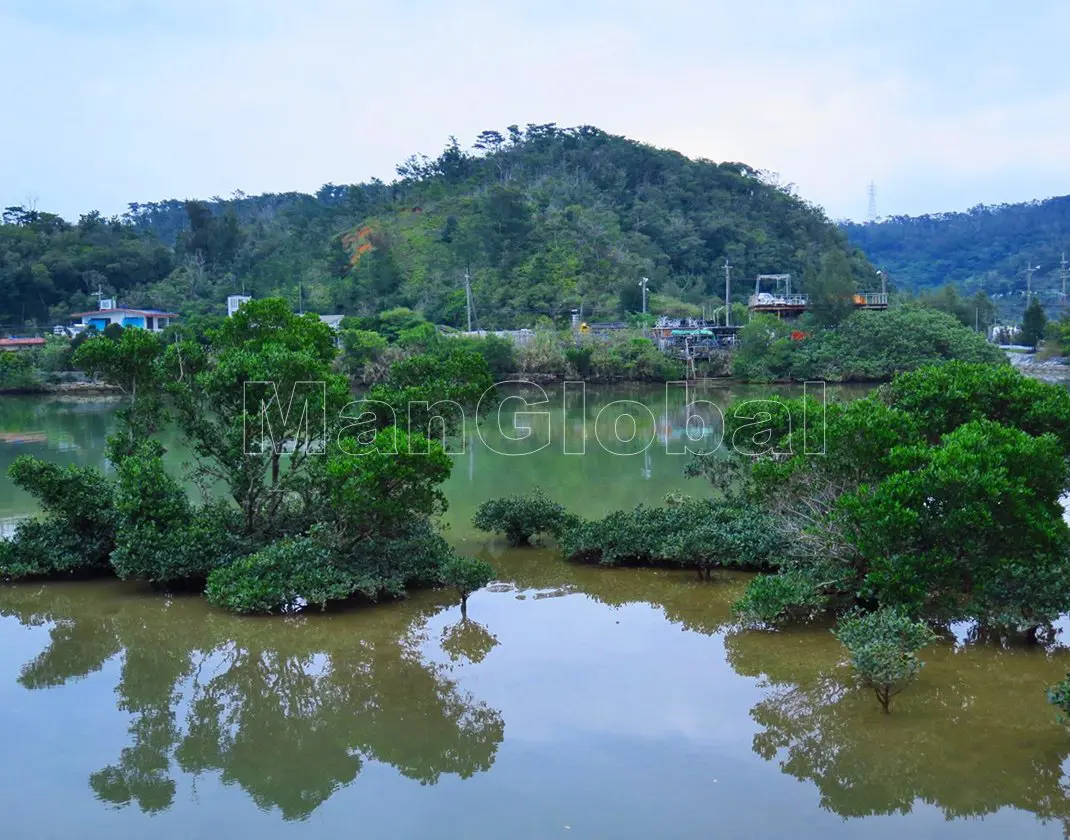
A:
543,219
986,248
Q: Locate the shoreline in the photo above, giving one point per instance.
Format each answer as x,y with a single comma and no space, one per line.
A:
75,389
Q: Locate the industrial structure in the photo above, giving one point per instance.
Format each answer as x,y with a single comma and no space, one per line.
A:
782,301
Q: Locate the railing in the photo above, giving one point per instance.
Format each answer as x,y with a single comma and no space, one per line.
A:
768,299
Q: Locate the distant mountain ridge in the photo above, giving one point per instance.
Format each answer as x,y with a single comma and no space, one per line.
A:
986,247
542,219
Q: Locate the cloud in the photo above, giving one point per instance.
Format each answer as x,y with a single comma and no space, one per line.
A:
137,101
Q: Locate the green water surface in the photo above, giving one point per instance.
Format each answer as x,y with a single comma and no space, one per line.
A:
576,702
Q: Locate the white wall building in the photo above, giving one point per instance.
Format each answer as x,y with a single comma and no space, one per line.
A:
153,320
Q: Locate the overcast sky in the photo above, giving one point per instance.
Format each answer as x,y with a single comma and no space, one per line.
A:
944,104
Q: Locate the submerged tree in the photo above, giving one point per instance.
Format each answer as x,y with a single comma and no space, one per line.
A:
883,647
466,575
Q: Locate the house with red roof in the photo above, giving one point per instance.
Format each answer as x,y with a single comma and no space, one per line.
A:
10,345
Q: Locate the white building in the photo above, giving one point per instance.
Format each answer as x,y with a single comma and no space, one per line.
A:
234,303
153,320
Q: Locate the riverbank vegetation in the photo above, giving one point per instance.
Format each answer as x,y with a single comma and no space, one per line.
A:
866,346
373,344
289,515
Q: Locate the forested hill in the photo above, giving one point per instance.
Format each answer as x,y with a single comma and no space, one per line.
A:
544,220
984,248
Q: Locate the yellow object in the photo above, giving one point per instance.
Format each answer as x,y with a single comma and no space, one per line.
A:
584,328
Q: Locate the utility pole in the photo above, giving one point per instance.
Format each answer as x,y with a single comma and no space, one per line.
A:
300,298
727,293
468,297
642,285
1063,273
1029,281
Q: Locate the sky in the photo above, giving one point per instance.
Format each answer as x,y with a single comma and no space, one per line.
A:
943,105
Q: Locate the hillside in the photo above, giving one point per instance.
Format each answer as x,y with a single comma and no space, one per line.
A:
986,248
543,219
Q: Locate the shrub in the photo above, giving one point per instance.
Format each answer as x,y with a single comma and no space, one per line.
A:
883,645
281,577
544,353
702,535
634,358
78,528
466,575
579,358
708,536
159,535
521,517
1059,696
624,537
187,551
867,346
773,599
17,373
43,547
293,573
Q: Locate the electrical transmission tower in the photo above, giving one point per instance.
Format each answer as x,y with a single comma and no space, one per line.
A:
872,212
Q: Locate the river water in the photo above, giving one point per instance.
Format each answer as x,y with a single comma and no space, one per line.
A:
575,702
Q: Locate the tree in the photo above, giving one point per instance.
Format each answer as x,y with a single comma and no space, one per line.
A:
977,311
133,363
869,346
466,575
765,350
264,342
432,386
362,350
972,529
883,647
939,494
832,290
521,517
1033,324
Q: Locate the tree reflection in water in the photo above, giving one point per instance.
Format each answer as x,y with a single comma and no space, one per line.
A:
973,736
467,639
287,709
